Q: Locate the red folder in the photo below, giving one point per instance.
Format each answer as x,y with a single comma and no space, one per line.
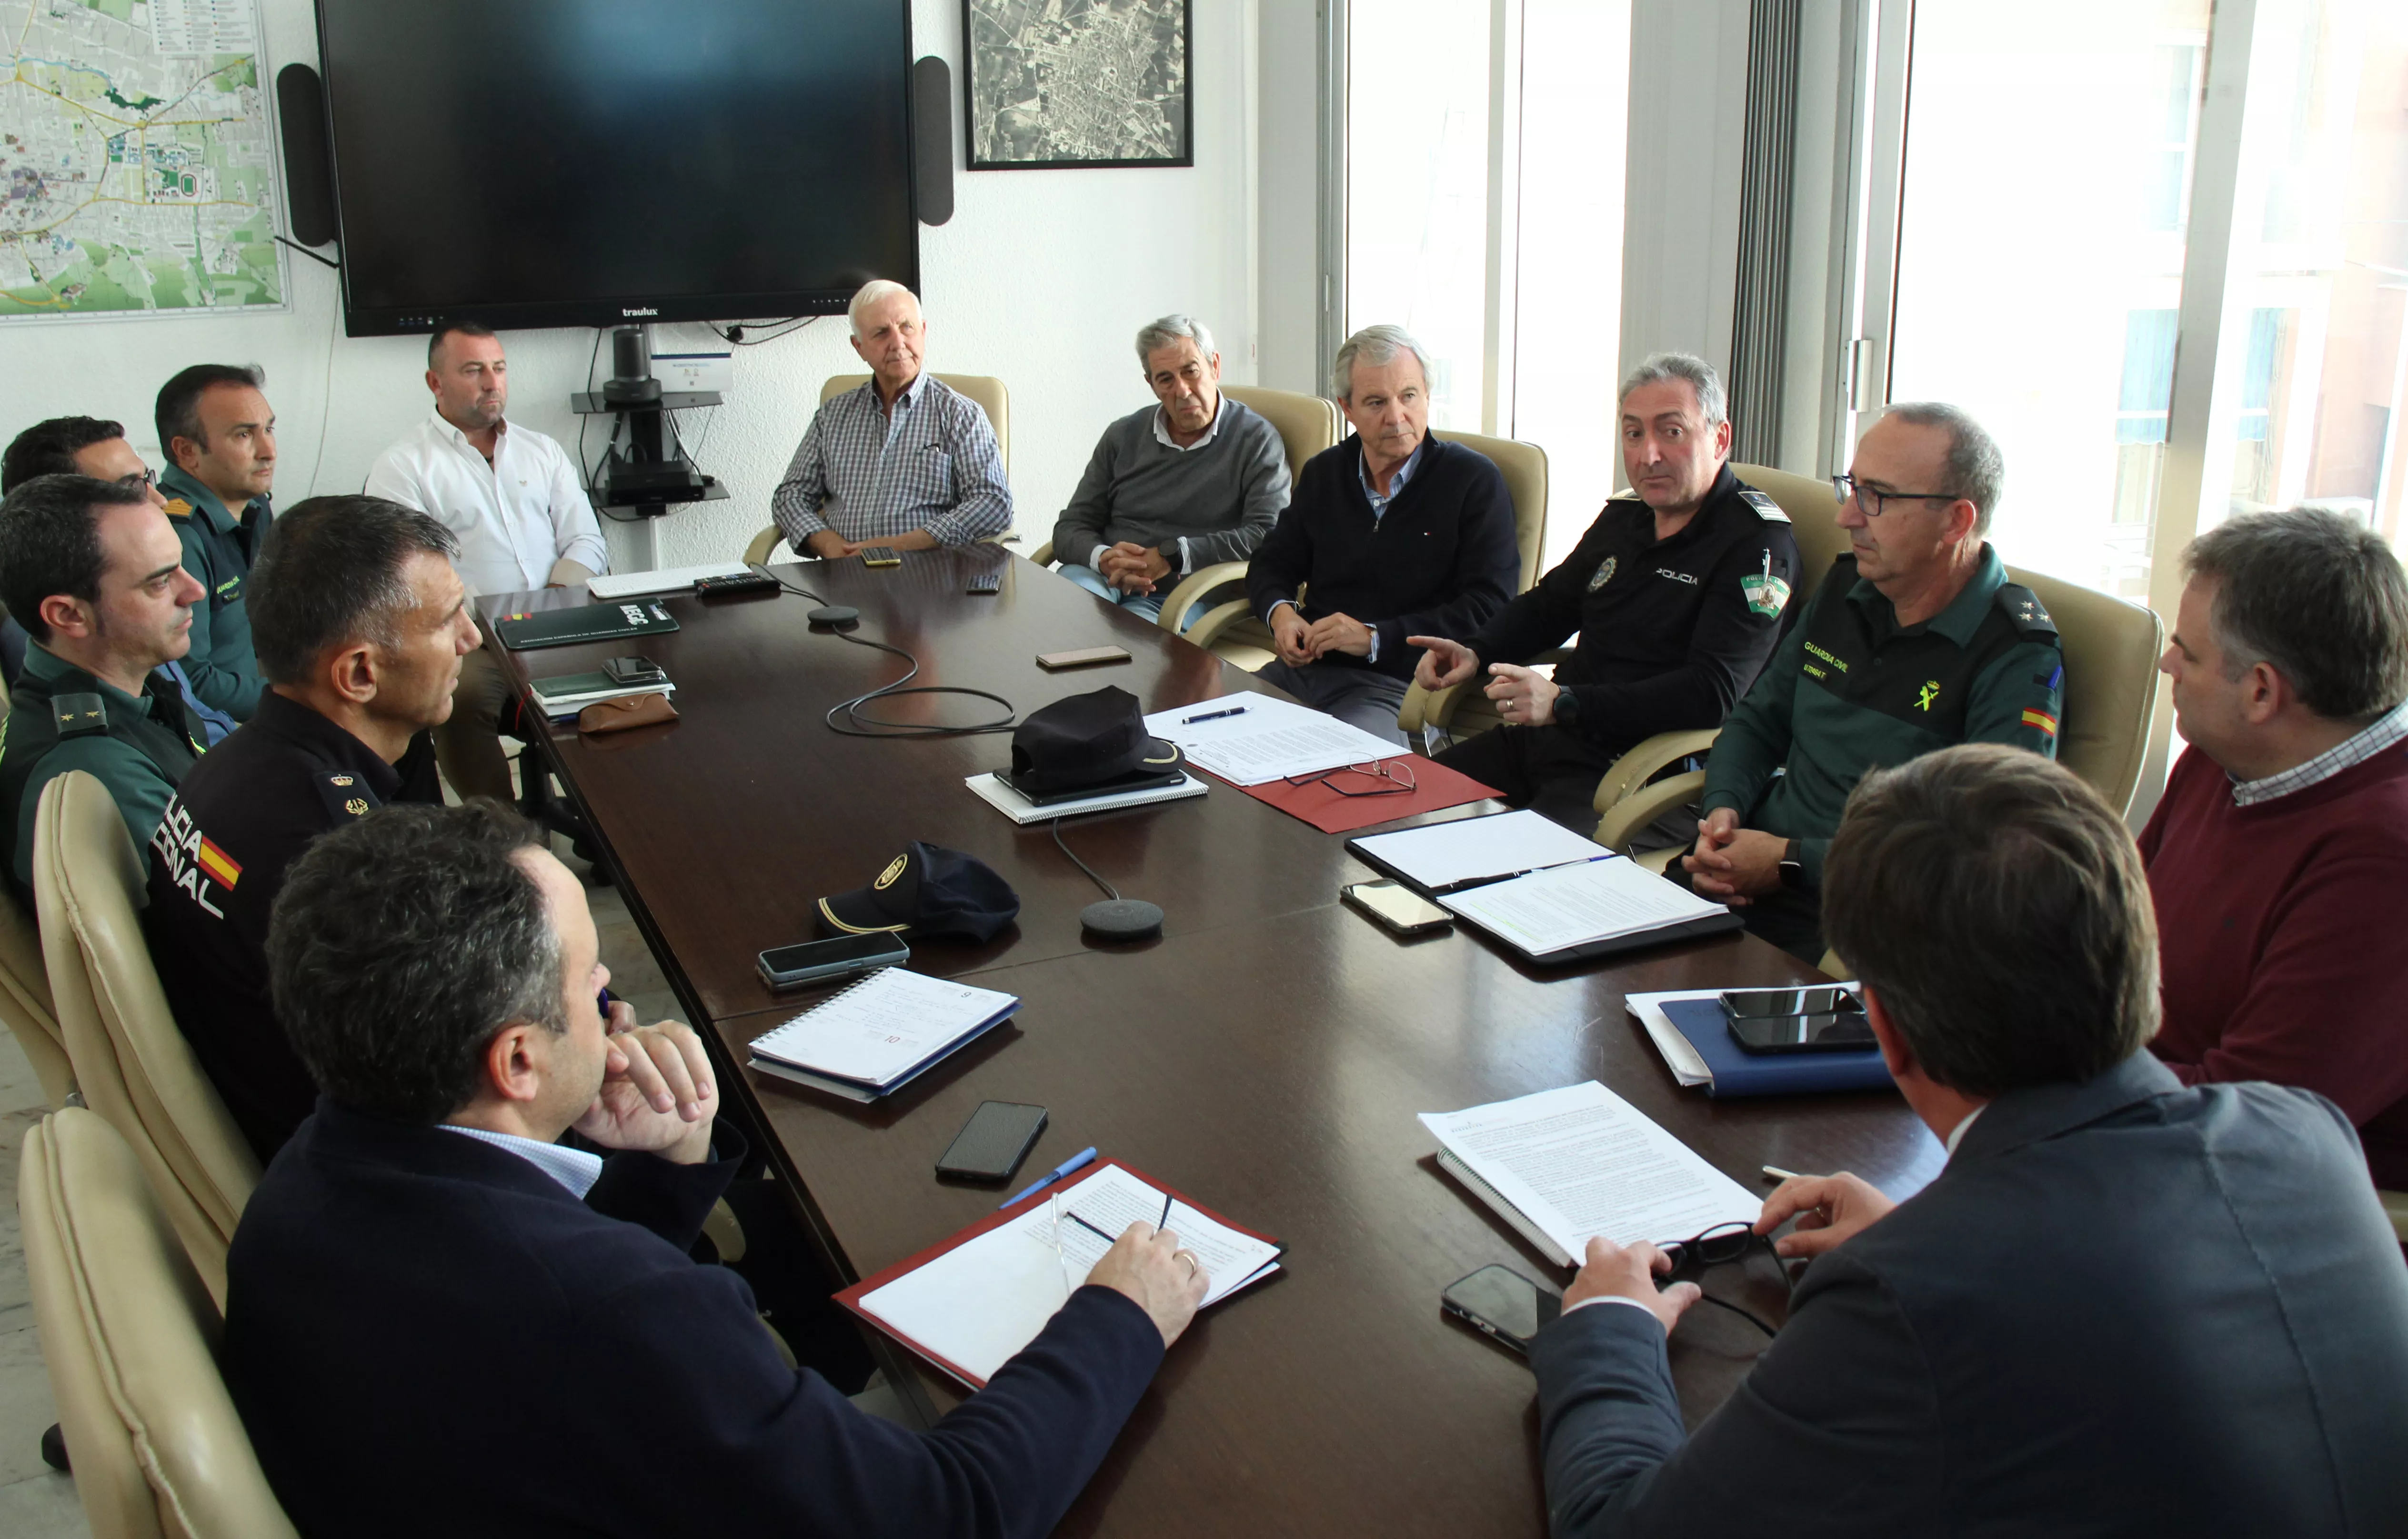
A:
1436,787
850,1298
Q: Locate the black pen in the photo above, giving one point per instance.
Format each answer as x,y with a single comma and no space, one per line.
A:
1165,1213
1212,715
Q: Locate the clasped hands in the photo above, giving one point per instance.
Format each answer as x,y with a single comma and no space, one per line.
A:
1299,642
657,1095
1131,568
1829,1209
1522,696
1733,863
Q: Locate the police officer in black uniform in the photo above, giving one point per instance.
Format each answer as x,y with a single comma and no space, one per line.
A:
1677,591
354,682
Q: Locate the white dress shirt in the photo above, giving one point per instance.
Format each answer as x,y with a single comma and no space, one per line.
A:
576,1169
516,517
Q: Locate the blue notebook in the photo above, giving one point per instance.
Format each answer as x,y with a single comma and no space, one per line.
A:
1739,1072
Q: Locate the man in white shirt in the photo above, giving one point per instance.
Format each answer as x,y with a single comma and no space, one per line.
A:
518,505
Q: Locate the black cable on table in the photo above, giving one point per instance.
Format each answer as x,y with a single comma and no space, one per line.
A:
864,725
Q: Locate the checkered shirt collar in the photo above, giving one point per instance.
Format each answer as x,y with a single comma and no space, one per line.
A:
2386,731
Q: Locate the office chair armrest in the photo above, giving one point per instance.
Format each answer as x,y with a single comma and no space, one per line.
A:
1194,587
1648,759
1043,554
763,544
1437,707
2394,1208
1213,621
1642,806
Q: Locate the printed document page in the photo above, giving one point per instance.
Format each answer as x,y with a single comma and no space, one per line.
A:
980,1302
1266,738
1503,844
1574,905
1580,1161
881,1026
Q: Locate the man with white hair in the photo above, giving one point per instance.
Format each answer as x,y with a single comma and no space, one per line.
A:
1677,592
903,462
1177,487
1396,533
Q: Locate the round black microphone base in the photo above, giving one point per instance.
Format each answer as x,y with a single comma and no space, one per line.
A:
1121,919
835,614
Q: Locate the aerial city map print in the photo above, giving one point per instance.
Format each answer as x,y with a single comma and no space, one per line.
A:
1077,82
138,165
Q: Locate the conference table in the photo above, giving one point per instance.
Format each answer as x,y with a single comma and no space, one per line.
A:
1265,1054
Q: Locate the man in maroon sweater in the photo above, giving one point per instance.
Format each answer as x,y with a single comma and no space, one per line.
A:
2279,854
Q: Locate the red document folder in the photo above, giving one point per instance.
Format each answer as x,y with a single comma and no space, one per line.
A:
850,1298
1437,788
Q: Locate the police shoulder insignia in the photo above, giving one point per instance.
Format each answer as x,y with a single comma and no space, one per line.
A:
1604,573
1766,594
80,715
179,508
1766,508
345,797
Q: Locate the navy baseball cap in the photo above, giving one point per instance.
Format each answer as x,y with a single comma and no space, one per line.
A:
1088,740
926,890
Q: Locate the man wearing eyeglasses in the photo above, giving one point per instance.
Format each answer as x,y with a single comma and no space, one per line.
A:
93,446
1915,640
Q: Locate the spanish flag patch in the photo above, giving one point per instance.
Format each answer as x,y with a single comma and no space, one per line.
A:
2032,718
221,866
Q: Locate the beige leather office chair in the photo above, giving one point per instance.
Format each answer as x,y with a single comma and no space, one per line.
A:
2394,1208
132,1064
983,389
25,1000
130,1335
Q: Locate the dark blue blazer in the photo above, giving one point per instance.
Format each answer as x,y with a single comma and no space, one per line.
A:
427,1335
2124,1307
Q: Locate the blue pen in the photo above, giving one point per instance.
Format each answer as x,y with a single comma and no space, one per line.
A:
1078,1162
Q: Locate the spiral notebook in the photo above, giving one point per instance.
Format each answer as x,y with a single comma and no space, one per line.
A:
878,1036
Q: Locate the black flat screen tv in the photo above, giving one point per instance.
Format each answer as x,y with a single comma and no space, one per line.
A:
592,163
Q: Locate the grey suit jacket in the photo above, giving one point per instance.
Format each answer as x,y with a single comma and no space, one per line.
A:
2124,1307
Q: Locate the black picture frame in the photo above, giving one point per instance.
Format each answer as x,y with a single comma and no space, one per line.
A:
980,121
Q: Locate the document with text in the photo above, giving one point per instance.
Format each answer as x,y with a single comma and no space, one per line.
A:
1580,1161
1571,906
1436,856
1247,739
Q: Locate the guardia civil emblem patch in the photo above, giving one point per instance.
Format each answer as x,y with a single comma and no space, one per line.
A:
1604,575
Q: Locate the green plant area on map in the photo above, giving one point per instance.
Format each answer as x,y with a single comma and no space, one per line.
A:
132,178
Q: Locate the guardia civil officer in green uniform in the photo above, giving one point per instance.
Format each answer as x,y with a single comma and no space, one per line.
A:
1677,591
216,427
93,572
1914,641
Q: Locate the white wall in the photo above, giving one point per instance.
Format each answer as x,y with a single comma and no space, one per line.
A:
1288,300
1042,277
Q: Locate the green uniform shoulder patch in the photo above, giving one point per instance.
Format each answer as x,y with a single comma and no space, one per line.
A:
178,508
80,715
2023,608
1766,508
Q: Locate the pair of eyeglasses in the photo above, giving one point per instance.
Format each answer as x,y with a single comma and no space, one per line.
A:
1877,503
146,477
1722,1246
1378,778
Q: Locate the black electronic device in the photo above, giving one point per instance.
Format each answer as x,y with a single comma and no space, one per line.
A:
1843,1031
932,140
1822,999
1504,1303
984,583
735,585
1119,785
811,961
309,173
635,670
835,614
993,1142
571,163
1397,909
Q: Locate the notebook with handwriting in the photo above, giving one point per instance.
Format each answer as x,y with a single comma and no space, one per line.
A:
876,1036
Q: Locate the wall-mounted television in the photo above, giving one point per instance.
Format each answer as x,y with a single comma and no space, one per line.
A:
591,163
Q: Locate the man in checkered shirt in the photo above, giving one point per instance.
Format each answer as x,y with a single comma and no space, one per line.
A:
902,461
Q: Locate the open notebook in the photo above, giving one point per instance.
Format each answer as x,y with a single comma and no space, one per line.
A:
970,1304
880,1033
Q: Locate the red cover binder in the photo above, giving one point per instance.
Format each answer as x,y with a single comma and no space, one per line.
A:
1436,789
850,1298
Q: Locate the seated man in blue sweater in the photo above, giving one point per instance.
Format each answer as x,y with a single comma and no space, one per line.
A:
1394,533
1175,488
440,1320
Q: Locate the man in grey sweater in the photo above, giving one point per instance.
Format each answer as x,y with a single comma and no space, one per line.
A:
1175,488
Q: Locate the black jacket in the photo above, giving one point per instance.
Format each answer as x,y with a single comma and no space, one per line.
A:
428,1334
238,821
1672,632
1440,561
2124,1307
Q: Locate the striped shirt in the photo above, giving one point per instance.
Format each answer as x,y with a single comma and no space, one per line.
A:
2381,734
932,463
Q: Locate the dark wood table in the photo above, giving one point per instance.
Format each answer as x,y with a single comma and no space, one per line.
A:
1267,1054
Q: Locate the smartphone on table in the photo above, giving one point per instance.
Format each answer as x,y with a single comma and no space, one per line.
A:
1504,1303
1397,909
993,1142
1821,1019
785,966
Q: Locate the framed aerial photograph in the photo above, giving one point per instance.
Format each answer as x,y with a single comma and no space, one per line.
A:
1050,84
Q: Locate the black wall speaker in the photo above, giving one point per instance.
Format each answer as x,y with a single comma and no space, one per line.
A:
309,167
932,140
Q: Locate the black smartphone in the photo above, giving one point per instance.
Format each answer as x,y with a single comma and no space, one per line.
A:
1826,1000
634,670
1503,1302
1397,909
991,1142
788,965
1839,1032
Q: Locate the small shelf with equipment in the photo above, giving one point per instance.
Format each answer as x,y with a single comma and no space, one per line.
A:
651,473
